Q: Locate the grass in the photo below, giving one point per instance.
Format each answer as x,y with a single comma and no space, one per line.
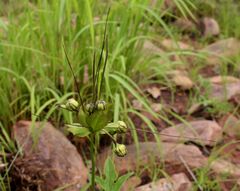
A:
35,77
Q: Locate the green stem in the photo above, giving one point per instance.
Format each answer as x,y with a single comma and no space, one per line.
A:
93,160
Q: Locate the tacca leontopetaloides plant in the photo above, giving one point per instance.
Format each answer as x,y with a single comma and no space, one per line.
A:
94,117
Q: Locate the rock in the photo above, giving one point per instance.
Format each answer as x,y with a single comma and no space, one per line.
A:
183,81
131,183
169,4
169,44
194,108
220,166
3,26
63,163
151,49
86,74
3,165
74,18
185,25
166,4
231,125
177,182
137,104
220,49
204,132
155,92
223,79
148,152
180,78
209,27
225,88
221,93
156,107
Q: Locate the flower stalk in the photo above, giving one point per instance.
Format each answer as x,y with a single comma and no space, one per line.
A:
93,159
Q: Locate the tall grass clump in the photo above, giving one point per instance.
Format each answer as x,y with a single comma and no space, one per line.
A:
32,56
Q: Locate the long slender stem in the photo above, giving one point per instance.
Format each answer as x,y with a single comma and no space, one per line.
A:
93,160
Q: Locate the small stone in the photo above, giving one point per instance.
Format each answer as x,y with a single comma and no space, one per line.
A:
169,44
151,49
180,78
224,48
223,79
194,108
185,25
183,81
209,27
231,125
177,182
224,88
155,92
221,166
137,104
131,183
204,132
156,107
4,26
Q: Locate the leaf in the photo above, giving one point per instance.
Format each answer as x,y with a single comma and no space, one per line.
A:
102,183
111,128
78,131
110,173
86,187
120,181
82,118
98,120
111,181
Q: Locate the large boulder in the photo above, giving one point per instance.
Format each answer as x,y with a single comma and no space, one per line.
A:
59,159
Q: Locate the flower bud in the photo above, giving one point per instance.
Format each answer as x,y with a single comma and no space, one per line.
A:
120,150
101,105
122,127
90,108
72,104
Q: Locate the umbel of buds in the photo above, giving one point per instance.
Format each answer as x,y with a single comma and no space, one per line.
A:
90,108
71,105
101,105
122,127
120,150
91,118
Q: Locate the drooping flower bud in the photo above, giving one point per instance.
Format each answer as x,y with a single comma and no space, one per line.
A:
90,108
122,127
101,105
120,150
72,104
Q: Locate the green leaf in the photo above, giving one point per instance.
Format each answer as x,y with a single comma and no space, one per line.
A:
98,120
120,181
110,128
78,130
110,173
102,182
111,182
82,118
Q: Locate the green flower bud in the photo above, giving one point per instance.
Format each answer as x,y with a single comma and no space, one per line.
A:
120,150
72,104
101,105
90,108
122,127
